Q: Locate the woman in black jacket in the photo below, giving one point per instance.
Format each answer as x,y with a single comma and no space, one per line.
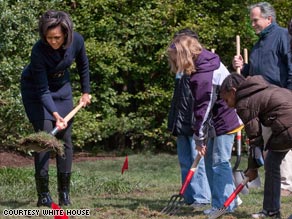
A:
47,95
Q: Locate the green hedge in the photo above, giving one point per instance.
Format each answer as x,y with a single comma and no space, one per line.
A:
126,42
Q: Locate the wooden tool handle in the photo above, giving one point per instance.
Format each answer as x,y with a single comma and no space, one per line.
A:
73,112
236,192
70,116
245,54
196,162
190,174
238,50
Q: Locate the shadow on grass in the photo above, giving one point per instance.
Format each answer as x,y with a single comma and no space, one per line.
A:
241,214
14,203
133,204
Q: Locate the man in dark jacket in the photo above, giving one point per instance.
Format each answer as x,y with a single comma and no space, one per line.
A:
270,57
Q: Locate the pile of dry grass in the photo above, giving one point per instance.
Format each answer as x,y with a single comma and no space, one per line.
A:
42,141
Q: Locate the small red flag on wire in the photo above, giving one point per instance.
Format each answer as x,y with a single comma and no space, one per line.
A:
125,165
59,214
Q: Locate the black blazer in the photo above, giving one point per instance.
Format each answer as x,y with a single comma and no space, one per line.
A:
45,82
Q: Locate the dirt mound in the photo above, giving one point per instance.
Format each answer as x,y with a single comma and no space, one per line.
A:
14,159
17,159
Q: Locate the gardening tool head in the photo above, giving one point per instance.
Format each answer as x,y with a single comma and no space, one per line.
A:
42,141
256,183
217,213
173,205
238,177
230,199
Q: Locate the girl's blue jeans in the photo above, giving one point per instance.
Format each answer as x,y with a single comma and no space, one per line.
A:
219,170
198,190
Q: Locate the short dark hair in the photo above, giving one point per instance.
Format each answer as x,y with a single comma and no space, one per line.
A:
188,32
51,19
231,81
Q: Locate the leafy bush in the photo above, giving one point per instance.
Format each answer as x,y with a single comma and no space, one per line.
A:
130,79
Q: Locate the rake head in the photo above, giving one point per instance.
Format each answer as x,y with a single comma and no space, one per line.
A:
217,213
173,205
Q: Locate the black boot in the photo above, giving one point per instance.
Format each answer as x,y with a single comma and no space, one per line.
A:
42,186
64,188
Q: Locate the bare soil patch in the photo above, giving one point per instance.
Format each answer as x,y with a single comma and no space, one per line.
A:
18,159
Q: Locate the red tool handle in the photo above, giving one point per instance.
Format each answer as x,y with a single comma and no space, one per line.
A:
190,175
236,191
187,181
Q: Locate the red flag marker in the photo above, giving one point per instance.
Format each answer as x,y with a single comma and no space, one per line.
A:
57,207
125,165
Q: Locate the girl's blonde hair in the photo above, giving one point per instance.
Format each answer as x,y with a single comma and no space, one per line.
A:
182,54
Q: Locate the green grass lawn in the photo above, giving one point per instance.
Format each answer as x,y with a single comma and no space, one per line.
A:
141,192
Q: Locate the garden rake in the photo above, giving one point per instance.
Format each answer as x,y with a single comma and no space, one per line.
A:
222,210
176,201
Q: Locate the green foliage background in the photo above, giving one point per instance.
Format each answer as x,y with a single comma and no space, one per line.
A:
126,42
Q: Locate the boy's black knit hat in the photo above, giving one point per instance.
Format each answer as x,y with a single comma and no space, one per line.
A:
188,32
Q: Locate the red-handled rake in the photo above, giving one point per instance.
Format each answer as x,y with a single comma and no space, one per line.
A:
176,201
222,210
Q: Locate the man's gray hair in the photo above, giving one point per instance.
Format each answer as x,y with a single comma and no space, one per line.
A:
266,10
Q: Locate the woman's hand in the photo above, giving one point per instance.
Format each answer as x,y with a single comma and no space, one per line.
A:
85,99
60,121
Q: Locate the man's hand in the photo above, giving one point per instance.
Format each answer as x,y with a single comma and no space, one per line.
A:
237,62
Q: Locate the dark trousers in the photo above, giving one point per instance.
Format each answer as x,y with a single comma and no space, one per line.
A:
272,192
41,160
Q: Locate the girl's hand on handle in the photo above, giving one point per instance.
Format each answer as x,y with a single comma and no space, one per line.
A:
201,150
85,99
237,62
